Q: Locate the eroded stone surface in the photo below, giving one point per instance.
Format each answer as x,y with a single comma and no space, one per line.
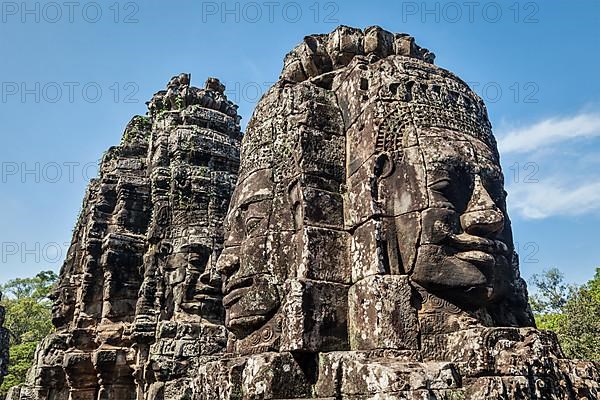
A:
366,253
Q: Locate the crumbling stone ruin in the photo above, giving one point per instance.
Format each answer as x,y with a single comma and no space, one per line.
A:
366,252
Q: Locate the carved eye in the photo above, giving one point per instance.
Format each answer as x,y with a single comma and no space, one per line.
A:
441,185
442,193
251,224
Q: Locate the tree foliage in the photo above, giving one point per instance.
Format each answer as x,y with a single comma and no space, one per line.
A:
28,319
37,288
21,358
553,292
572,312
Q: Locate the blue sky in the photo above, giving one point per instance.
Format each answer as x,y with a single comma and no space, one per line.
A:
73,74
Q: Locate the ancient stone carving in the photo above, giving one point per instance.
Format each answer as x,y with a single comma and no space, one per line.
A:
368,244
366,252
138,304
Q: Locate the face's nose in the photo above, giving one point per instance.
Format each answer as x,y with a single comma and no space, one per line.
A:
229,261
211,277
482,217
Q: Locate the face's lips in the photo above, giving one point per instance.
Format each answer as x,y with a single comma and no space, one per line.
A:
477,257
477,250
236,289
208,298
234,296
237,283
482,253
473,246
207,290
241,324
208,293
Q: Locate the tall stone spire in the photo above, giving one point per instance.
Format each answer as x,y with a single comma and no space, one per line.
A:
138,290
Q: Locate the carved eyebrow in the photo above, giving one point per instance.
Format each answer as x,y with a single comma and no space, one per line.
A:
438,180
255,198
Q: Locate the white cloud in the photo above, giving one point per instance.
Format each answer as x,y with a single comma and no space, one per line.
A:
549,131
550,198
569,184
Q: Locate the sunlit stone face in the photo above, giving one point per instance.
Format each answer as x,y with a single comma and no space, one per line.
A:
443,204
425,191
251,287
465,242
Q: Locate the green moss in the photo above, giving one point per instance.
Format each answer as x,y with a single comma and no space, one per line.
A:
138,129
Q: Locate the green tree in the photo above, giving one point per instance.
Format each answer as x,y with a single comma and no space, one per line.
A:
21,357
28,319
572,312
580,328
36,288
553,292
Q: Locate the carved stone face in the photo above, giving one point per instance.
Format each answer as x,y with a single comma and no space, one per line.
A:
202,294
199,292
63,307
458,246
251,287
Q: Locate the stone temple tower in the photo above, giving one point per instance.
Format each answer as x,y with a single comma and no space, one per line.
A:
138,302
355,244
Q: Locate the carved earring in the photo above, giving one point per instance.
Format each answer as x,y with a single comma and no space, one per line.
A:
295,197
382,168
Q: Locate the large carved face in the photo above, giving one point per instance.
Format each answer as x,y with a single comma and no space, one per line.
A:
251,286
457,241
